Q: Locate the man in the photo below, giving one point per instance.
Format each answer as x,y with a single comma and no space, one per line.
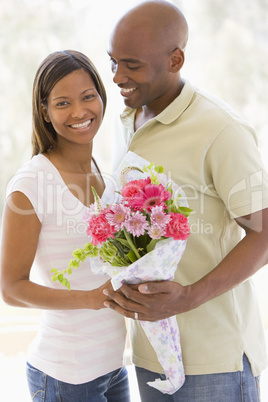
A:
212,153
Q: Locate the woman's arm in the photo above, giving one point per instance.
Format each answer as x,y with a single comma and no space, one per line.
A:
20,233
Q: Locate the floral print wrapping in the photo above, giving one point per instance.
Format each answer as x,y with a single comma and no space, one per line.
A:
159,264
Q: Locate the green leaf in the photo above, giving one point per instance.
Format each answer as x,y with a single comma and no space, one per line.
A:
66,283
123,241
132,256
54,278
182,210
122,250
107,251
150,247
74,264
159,169
142,241
90,250
120,261
79,254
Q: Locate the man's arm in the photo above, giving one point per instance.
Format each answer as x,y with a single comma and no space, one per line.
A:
158,300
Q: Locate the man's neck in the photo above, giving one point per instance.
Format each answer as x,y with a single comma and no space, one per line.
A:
146,112
142,117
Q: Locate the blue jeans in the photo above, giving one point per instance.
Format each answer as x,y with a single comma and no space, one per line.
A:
112,387
239,386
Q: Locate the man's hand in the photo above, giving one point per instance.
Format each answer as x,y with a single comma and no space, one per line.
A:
155,301
152,301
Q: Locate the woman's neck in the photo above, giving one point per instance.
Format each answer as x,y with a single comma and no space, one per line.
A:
71,159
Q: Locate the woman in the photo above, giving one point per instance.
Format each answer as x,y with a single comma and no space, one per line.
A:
77,354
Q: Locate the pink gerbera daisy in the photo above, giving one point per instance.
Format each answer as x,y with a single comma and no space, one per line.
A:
136,224
118,215
156,232
159,217
151,196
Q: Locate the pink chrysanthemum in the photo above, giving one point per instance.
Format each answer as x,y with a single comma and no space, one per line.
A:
178,227
133,187
159,217
99,229
136,224
118,215
151,196
156,232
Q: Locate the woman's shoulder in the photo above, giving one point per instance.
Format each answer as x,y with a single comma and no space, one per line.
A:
31,175
36,163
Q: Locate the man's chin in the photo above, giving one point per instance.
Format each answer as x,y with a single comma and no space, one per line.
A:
131,103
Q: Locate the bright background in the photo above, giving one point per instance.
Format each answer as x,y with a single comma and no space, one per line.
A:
227,55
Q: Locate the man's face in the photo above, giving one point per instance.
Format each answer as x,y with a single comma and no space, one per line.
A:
140,68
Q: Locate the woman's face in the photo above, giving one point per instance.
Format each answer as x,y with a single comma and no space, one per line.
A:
74,108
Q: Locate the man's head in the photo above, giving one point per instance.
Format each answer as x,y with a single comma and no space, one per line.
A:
147,53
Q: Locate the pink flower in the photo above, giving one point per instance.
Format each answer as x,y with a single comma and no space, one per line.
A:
136,224
156,232
99,229
133,187
118,215
159,217
178,227
151,196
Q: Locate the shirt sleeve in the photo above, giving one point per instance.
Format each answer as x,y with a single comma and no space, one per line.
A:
31,184
234,166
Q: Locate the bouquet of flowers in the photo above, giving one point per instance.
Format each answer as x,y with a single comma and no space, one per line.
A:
141,236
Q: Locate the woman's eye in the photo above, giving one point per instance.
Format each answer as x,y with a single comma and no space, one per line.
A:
64,103
89,97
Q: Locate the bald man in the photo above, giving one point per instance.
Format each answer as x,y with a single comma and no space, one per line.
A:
212,153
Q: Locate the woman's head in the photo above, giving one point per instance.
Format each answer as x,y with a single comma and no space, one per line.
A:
55,67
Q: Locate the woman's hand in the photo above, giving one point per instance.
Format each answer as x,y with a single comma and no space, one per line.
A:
152,301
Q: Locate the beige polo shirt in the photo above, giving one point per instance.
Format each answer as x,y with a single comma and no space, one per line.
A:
212,154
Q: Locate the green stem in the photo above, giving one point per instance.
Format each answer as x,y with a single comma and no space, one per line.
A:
130,242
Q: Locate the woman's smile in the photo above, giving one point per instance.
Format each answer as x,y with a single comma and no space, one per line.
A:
81,126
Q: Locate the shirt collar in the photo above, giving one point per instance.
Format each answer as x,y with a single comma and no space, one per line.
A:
171,112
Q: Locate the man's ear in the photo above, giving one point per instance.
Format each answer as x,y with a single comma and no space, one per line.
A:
176,60
45,113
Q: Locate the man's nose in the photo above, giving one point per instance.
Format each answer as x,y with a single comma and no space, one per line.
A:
120,76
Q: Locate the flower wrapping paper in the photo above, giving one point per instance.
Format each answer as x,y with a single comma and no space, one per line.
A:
159,264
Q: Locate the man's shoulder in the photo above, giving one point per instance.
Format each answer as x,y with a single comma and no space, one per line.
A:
215,105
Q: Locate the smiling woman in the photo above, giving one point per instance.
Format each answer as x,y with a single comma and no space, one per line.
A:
74,107
65,97
68,105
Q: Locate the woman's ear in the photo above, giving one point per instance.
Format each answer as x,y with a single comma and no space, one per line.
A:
45,113
176,60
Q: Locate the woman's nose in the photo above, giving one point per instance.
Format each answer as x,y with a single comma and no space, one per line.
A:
78,110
